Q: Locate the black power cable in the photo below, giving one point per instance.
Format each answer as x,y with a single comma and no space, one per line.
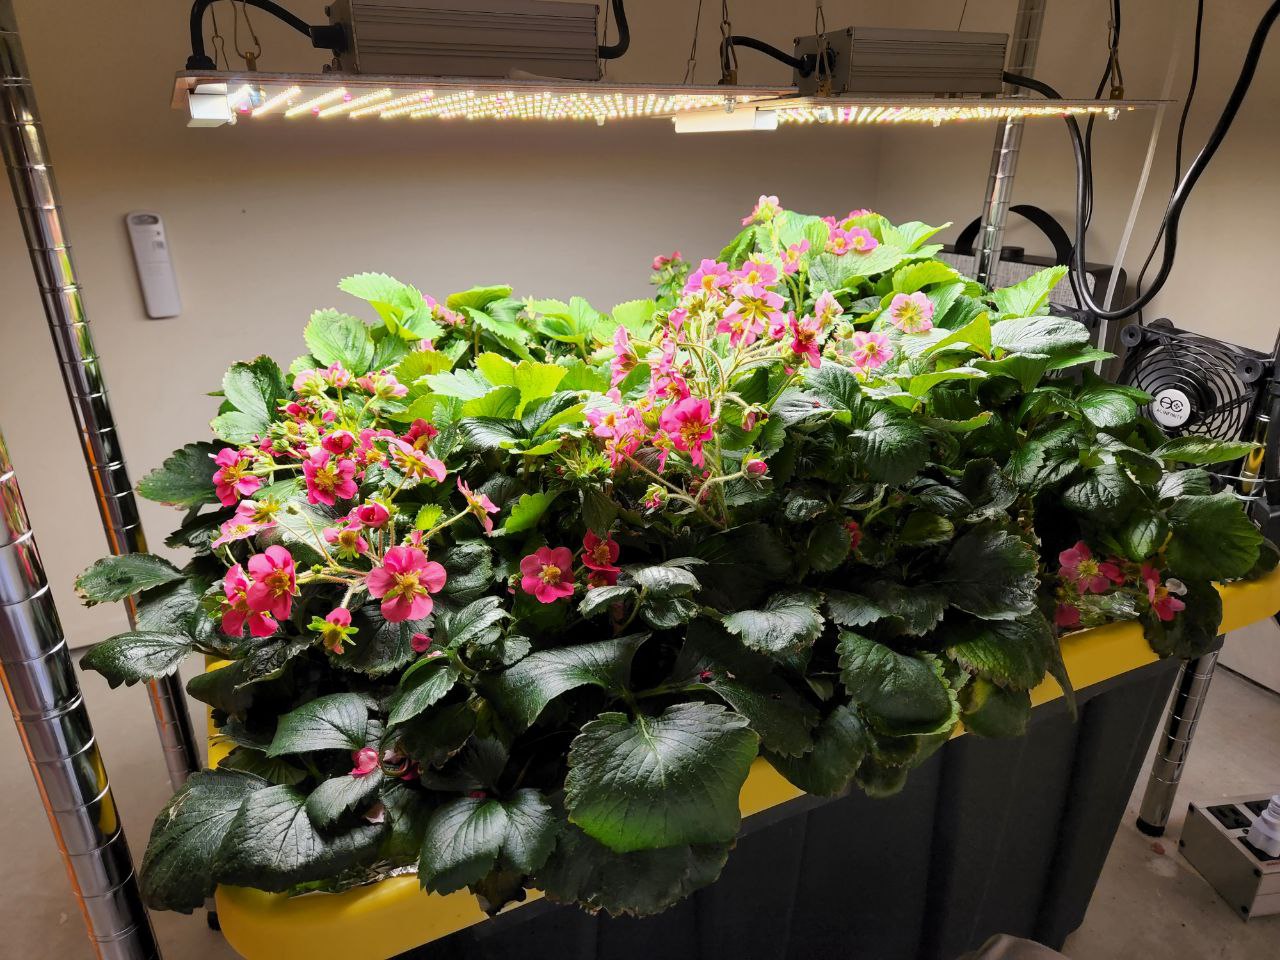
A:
323,36
612,51
1183,190
804,65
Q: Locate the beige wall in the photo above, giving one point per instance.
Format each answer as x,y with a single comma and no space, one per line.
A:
264,220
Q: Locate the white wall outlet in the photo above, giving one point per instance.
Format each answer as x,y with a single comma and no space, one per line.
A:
155,265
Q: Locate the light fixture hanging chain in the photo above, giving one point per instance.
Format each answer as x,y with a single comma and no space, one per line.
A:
250,57
823,67
692,65
728,56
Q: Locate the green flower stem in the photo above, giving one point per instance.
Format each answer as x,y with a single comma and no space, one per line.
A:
644,592
676,492
444,524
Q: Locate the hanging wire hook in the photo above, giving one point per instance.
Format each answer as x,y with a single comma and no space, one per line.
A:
219,43
250,58
824,64
692,65
728,56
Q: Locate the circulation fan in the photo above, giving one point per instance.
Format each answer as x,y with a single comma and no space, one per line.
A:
1205,387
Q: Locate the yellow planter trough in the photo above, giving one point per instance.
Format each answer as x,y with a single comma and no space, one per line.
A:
391,916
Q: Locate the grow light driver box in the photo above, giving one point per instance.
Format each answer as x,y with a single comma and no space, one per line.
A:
876,60
466,38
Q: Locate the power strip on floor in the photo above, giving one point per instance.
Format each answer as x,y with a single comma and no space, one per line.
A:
1213,841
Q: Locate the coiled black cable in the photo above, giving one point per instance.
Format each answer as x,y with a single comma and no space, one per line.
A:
1180,193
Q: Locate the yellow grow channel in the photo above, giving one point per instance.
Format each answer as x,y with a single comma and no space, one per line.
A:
391,916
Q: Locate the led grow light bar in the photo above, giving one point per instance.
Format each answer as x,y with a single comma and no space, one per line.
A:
215,98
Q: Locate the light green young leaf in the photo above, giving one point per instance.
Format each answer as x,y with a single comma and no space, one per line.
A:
336,337
528,510
1028,298
1202,451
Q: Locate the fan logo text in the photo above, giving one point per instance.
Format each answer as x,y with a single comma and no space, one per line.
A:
1171,408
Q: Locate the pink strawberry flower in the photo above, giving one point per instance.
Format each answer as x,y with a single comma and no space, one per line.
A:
336,375
752,306
710,276
405,582
329,480
806,340
382,385
365,760
371,514
420,643
861,240
338,442
742,330
600,554
347,541
870,351
234,478
911,312
1163,602
274,582
826,308
688,422
547,574
661,260
236,610
335,629
441,313
478,505
664,445
1085,573
755,467
624,356
251,518
838,241
757,273
413,463
309,383
791,257
420,434
766,209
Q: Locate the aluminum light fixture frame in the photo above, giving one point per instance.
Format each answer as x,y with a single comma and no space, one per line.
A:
214,98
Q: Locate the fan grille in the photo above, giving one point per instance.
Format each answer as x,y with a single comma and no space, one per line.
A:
1193,382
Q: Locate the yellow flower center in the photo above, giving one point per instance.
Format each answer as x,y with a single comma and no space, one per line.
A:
551,573
406,585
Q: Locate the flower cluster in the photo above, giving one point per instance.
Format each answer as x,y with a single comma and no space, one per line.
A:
1087,586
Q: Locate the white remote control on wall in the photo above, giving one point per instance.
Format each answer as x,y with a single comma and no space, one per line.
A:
155,266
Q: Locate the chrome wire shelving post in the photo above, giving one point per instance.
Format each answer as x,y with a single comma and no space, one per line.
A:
1024,44
26,158
48,707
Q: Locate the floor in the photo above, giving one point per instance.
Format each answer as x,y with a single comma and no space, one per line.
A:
1149,901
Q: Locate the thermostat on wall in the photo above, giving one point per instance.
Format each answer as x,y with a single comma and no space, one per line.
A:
155,266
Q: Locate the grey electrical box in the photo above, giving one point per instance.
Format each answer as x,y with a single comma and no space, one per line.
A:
886,61
469,38
1213,841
